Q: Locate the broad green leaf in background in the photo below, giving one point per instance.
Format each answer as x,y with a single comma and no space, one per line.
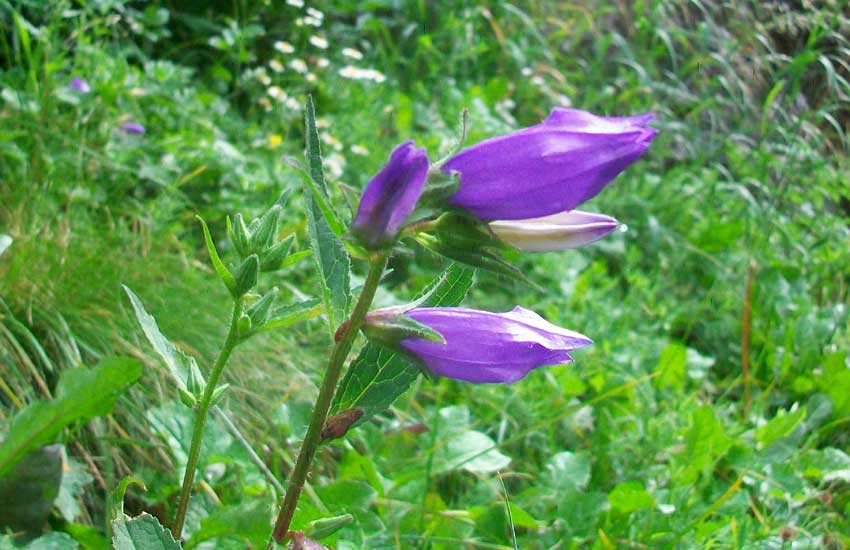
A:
629,497
81,393
331,257
249,520
378,375
178,363
469,450
835,380
671,366
173,423
705,443
780,426
567,471
51,541
142,533
28,491
459,447
75,477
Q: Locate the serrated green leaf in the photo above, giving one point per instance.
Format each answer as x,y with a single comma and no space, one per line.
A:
142,533
378,375
178,363
224,274
82,393
329,253
27,492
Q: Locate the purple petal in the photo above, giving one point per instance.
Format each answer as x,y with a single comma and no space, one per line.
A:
548,168
390,196
133,128
491,347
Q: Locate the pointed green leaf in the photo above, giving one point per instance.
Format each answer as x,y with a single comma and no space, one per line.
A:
223,273
291,314
82,393
378,375
331,257
178,363
320,197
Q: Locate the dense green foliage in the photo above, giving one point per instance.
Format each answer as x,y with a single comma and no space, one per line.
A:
690,423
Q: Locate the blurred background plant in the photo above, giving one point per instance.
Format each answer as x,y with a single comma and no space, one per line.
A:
688,423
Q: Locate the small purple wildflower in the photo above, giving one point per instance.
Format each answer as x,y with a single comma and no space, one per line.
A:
79,85
135,128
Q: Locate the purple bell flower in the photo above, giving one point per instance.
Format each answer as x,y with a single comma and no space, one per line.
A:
551,167
480,346
79,85
391,196
556,232
135,128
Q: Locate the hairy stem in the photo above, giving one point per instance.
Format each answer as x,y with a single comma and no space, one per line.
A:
201,412
344,341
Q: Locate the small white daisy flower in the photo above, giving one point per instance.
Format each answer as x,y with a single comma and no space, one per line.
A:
319,42
284,47
352,53
298,65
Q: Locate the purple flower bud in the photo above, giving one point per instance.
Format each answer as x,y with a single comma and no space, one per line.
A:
489,347
133,128
556,232
551,167
79,85
391,196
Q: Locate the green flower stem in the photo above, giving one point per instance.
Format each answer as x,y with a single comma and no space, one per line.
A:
201,412
345,338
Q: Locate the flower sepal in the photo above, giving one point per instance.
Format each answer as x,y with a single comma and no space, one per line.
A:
466,239
440,187
389,326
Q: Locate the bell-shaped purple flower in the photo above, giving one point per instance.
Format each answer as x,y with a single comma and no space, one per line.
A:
556,232
480,346
551,167
391,196
79,85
